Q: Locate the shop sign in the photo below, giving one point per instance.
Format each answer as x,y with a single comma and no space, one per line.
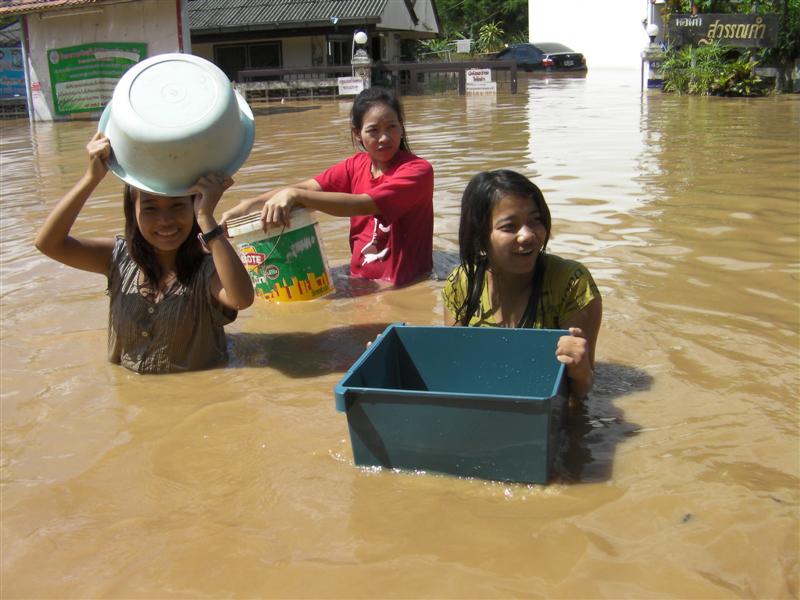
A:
350,86
738,30
12,76
479,75
479,82
83,77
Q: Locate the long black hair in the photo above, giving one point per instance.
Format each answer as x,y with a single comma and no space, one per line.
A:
480,196
369,98
189,256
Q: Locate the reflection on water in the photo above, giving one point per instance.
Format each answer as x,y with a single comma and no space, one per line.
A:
679,479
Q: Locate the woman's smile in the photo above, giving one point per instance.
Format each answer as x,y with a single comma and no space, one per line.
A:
165,222
517,235
167,235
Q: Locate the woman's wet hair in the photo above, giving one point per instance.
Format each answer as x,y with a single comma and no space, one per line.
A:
482,193
190,254
371,97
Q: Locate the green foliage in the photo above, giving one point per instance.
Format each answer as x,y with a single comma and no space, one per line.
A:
725,6
490,38
788,47
435,49
690,70
738,78
711,69
490,24
469,16
441,49
520,37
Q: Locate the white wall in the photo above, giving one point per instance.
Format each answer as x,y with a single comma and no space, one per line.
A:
204,51
296,52
609,34
154,22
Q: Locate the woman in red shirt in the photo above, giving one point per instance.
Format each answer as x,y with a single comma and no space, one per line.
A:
385,190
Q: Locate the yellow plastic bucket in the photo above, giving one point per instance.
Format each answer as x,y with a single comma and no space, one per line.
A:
285,264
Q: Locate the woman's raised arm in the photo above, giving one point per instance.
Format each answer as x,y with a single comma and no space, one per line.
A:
53,238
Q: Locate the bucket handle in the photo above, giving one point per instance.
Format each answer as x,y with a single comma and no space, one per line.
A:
275,245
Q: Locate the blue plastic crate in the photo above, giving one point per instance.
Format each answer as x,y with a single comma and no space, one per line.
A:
474,402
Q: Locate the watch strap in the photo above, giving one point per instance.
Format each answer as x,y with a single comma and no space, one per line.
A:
210,235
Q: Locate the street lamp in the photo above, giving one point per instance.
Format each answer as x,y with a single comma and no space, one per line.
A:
652,32
360,38
359,60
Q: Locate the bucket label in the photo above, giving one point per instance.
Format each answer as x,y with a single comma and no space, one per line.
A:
287,267
253,258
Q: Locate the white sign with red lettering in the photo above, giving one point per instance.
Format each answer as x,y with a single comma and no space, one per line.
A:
478,75
479,82
350,85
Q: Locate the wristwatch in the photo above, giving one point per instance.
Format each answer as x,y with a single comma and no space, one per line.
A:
207,237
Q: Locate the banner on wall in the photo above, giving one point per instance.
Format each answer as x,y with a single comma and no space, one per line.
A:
12,75
83,77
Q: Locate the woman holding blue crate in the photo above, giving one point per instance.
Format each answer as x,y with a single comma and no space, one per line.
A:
506,279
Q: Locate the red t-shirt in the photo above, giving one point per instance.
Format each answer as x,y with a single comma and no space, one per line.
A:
395,245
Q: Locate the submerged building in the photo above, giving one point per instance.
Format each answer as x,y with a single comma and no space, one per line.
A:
74,51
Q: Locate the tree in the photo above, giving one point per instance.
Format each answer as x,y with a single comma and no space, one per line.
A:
468,16
490,38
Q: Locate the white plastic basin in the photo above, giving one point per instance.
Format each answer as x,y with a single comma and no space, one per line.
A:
172,119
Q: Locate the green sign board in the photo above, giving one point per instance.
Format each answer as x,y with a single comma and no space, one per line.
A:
83,77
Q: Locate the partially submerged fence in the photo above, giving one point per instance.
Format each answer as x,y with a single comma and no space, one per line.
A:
13,108
267,85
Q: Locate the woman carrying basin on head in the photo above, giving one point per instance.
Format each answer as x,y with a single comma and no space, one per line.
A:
506,279
385,190
170,293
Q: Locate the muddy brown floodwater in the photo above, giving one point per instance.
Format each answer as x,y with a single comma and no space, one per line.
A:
680,480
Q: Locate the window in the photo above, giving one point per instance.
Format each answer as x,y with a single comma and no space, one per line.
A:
234,58
339,51
265,56
231,59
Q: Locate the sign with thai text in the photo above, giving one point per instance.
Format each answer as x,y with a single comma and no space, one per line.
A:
479,82
350,86
478,75
738,30
83,77
12,76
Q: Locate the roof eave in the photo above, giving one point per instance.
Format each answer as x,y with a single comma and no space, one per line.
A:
53,5
274,26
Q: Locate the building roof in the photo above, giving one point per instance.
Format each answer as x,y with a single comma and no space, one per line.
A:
18,7
218,15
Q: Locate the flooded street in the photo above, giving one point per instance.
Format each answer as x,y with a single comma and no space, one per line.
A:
681,479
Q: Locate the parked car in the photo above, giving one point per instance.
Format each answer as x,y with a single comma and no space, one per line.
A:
547,56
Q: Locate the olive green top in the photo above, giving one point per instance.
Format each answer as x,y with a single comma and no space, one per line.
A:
567,288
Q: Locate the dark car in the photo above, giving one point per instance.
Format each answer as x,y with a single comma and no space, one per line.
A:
547,56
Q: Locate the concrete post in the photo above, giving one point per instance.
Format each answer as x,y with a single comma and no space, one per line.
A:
652,57
362,67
